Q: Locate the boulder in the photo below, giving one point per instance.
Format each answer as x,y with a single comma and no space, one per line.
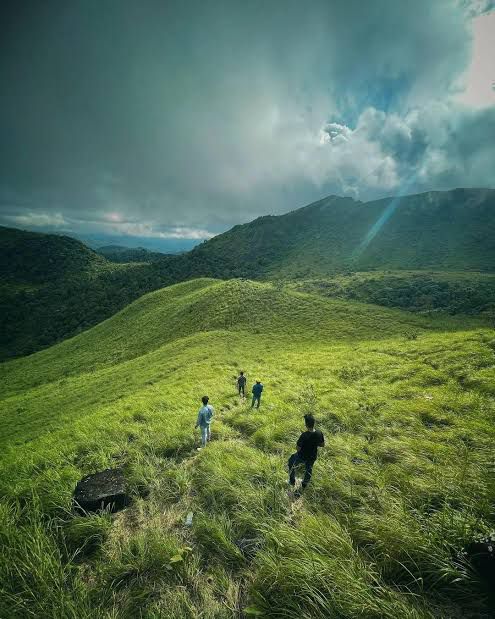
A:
104,490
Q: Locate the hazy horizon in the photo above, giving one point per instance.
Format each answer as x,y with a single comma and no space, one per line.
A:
179,244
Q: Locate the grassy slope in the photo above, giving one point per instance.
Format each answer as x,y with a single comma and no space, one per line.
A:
401,487
205,305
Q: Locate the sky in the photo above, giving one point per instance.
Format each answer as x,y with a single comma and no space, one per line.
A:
162,121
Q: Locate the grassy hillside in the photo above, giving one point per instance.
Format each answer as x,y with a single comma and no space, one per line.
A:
54,287
403,485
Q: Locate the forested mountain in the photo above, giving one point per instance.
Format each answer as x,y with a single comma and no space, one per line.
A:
54,286
121,254
450,230
31,257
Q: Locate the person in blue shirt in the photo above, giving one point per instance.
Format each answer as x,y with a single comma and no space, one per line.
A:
205,416
257,389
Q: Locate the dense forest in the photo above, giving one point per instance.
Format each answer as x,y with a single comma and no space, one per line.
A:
414,291
118,253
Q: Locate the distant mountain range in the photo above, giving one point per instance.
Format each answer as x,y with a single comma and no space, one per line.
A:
54,286
151,243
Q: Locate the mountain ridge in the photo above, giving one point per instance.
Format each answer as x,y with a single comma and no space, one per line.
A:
72,287
328,235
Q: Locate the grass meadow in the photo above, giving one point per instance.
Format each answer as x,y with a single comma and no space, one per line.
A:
405,482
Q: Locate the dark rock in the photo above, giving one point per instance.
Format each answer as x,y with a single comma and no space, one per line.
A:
104,490
481,554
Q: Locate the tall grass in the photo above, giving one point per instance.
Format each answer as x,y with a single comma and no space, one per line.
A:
403,484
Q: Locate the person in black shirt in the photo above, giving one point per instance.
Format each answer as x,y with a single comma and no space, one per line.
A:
241,384
307,451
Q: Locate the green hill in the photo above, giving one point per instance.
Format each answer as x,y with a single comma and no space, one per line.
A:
54,287
449,230
205,305
34,258
402,486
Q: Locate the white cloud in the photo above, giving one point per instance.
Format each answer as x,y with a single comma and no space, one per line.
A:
479,79
437,146
37,220
187,233
473,8
149,230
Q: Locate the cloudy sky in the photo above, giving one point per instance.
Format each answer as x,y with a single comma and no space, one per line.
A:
178,119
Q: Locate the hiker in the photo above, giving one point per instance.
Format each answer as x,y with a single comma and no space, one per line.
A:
257,389
307,451
205,416
241,383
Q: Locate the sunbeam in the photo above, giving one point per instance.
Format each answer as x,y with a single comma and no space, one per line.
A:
384,217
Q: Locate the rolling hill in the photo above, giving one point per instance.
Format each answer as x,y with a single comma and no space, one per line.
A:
35,258
54,287
401,489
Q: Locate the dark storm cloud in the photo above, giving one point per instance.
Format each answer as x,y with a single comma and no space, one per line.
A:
145,117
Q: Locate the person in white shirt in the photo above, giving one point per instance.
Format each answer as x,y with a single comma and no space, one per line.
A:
205,416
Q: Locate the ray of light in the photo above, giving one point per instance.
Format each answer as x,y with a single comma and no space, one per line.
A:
384,217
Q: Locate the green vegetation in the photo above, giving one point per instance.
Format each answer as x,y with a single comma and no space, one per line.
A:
414,291
445,231
30,257
403,485
118,253
54,287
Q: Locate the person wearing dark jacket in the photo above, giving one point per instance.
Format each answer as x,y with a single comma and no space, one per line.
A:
307,451
241,384
257,389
